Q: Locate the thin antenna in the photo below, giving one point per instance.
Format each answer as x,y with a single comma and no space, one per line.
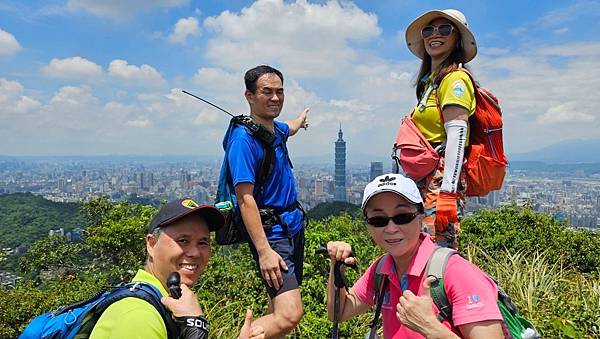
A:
206,101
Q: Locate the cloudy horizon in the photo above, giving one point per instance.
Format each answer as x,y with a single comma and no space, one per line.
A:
81,77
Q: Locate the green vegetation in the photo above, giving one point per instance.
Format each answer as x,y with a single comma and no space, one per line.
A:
328,209
547,269
25,218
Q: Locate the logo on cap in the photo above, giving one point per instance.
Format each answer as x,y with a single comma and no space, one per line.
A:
189,203
387,181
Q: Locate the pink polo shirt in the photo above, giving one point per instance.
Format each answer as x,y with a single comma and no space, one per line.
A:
472,294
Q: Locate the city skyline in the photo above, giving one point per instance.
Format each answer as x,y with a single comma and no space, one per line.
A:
574,195
81,77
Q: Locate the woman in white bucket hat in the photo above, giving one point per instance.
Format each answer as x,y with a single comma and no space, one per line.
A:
446,98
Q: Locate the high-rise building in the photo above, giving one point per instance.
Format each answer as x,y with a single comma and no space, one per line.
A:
318,187
376,169
340,168
139,179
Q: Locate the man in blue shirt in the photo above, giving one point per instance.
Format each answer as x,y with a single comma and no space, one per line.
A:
277,248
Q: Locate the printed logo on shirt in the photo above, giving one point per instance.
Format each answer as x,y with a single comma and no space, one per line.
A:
474,302
458,88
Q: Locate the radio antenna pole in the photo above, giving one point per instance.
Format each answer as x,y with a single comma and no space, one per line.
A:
206,101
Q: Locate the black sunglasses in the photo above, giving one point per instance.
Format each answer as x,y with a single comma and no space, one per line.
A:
398,219
443,29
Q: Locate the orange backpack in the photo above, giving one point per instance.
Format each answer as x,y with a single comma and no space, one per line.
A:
486,162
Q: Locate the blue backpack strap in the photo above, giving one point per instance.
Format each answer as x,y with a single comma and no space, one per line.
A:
436,266
143,291
78,320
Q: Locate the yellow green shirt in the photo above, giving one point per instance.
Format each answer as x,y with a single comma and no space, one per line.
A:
455,89
132,317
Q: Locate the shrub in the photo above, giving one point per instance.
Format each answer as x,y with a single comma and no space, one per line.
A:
537,260
521,229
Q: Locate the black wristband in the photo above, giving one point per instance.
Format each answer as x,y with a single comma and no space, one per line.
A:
192,327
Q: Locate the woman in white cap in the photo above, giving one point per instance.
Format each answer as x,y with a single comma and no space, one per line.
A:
393,209
444,43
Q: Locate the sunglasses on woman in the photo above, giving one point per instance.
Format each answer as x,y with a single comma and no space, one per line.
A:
398,219
443,30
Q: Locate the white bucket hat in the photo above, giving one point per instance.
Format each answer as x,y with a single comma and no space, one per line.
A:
414,41
395,183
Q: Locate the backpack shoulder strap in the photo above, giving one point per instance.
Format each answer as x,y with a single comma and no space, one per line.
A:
436,266
380,288
142,291
268,160
267,164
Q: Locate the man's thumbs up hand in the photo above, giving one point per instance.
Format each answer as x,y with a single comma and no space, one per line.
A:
249,331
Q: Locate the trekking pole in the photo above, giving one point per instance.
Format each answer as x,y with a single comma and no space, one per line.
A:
339,282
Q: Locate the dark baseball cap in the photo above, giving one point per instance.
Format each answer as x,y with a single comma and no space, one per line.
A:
177,209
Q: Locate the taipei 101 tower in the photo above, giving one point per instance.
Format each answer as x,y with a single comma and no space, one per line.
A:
339,193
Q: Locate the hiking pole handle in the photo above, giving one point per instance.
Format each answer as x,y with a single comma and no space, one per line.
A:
321,250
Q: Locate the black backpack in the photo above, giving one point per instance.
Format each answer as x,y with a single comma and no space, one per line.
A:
234,230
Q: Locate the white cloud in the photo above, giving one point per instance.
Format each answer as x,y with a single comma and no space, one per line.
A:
144,75
307,39
218,82
121,9
183,28
74,97
568,112
72,68
351,105
548,94
574,11
8,44
561,30
139,123
12,99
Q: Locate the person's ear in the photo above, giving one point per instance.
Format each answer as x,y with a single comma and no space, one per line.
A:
150,244
249,95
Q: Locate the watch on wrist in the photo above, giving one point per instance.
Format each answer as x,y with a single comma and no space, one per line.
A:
192,327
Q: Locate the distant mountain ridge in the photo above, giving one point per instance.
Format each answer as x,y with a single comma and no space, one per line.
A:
564,152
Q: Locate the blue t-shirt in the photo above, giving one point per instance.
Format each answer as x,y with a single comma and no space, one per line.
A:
279,191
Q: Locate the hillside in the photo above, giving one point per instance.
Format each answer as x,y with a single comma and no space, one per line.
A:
26,218
557,289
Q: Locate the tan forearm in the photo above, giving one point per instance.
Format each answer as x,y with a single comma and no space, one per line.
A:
294,125
251,217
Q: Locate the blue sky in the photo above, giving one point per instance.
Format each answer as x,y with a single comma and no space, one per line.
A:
85,77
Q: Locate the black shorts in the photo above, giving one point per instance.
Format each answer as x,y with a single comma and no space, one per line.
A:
292,252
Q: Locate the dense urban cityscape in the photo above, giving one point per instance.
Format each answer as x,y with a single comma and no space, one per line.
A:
571,195
151,180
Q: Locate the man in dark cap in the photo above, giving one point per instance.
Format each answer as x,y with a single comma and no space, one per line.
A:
178,240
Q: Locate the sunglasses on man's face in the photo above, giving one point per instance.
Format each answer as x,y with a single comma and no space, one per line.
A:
443,30
398,219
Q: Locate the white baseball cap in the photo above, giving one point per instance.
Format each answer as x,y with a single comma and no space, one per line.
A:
395,183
